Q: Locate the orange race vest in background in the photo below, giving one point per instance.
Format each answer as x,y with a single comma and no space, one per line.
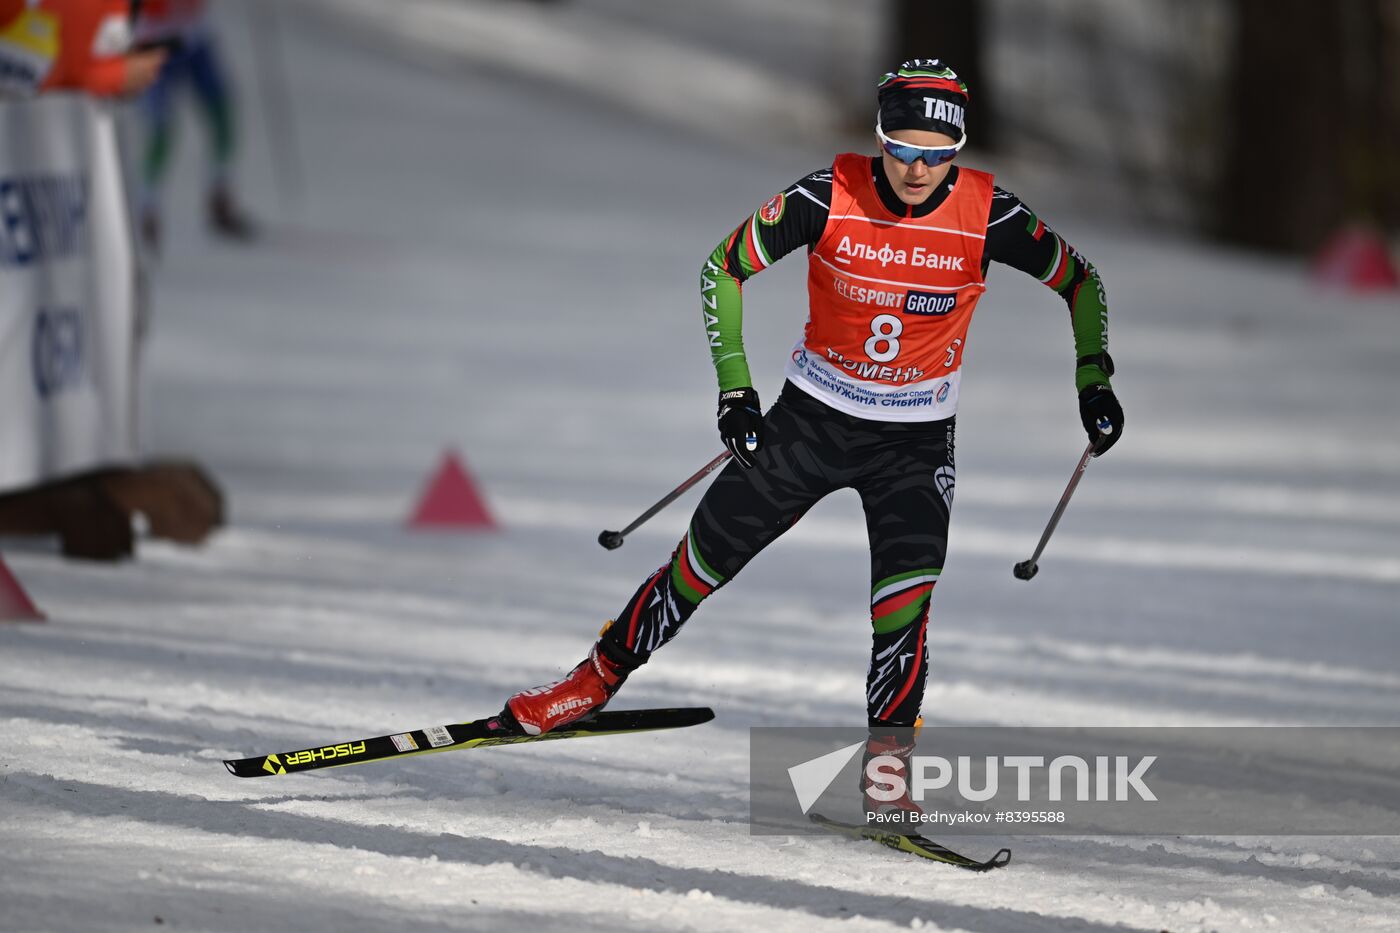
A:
890,299
94,37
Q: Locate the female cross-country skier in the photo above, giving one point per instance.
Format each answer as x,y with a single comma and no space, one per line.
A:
898,247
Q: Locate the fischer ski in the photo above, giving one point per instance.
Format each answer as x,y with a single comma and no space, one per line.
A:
481,733
913,843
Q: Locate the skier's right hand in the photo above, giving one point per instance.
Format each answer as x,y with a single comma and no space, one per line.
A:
1099,410
1102,417
741,423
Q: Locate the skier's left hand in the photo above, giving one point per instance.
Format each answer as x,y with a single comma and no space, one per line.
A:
1101,415
741,424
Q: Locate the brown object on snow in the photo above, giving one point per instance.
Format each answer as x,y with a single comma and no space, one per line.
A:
92,513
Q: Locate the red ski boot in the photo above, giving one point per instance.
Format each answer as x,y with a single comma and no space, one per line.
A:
586,689
901,812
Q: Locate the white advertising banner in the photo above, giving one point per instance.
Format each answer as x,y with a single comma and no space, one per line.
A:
67,292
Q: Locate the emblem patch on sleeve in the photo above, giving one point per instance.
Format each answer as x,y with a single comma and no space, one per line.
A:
772,211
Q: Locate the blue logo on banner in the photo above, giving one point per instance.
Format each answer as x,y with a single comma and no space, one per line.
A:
42,218
58,349
936,303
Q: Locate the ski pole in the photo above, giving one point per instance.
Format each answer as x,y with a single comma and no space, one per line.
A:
612,540
1027,568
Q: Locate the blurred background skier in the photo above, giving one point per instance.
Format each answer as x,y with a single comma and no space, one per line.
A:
898,249
183,28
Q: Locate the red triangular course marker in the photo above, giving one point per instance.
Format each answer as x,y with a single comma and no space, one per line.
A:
451,500
1356,258
15,604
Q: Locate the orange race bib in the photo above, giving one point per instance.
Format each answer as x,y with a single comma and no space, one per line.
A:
890,299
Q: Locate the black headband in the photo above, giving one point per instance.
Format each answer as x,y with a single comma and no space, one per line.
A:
924,94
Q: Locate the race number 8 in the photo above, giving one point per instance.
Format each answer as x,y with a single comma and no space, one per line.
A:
884,328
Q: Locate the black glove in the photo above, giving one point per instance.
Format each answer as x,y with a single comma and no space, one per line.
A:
1102,416
741,424
1099,410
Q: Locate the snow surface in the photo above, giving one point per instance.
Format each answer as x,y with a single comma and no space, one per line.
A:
445,282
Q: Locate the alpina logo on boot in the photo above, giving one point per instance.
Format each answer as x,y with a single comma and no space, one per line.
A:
563,706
